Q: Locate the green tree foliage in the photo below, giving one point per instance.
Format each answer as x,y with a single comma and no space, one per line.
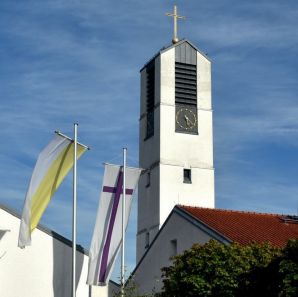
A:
131,290
288,268
215,269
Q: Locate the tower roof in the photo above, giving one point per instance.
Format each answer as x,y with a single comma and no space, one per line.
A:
170,46
244,227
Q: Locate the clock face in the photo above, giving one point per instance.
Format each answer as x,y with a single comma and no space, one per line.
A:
186,120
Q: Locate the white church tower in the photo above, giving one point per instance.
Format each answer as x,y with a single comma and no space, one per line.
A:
175,136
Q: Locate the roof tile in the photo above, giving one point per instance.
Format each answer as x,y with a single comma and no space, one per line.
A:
245,227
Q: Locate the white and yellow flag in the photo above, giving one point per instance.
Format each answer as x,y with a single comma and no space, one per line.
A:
52,165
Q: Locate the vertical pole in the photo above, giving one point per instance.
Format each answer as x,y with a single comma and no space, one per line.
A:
123,225
74,211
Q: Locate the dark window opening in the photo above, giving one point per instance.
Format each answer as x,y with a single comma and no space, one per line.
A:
150,90
187,176
173,247
147,240
150,124
148,176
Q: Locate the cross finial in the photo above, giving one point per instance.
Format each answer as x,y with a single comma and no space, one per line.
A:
175,17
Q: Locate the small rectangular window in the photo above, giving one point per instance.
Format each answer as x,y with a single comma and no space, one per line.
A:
148,176
187,176
150,124
173,247
147,240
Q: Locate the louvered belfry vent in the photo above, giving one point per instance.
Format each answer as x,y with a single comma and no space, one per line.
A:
150,86
150,90
185,84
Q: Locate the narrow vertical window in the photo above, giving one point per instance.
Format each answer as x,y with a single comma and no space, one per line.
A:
173,247
148,179
187,176
147,240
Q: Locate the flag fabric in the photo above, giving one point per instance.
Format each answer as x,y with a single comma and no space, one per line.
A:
52,165
107,235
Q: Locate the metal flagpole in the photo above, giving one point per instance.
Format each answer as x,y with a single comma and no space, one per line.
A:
123,224
74,210
74,206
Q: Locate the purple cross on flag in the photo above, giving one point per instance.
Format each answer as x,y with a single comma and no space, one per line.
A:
107,236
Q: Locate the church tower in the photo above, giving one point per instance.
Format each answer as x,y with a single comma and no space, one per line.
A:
175,136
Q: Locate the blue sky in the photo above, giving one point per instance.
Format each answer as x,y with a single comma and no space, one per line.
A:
78,61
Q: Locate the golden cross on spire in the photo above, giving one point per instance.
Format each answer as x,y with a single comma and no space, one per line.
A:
175,17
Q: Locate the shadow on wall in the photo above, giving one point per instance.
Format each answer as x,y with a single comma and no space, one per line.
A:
62,270
2,233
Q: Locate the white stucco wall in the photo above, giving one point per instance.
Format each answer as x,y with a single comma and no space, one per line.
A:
40,270
105,291
147,276
149,153
174,191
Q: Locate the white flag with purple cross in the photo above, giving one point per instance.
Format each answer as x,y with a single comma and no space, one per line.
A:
107,235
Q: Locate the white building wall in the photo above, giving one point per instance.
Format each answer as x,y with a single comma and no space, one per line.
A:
204,82
147,276
148,214
167,79
179,150
40,270
149,154
174,191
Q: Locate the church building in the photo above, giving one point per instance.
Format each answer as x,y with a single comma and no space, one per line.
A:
189,225
176,193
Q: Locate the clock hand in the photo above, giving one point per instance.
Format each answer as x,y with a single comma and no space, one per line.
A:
188,121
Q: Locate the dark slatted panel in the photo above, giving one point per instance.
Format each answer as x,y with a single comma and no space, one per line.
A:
185,83
150,90
150,86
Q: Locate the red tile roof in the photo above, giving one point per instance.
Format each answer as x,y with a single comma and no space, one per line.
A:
244,227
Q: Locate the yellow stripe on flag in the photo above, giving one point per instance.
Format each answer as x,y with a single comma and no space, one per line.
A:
51,181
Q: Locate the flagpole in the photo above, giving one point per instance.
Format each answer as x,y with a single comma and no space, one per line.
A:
74,210
123,225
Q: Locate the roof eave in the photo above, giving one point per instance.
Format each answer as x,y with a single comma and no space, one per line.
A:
193,220
190,43
48,231
203,226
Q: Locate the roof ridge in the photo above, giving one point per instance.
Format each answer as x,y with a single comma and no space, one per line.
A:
45,229
171,45
232,210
